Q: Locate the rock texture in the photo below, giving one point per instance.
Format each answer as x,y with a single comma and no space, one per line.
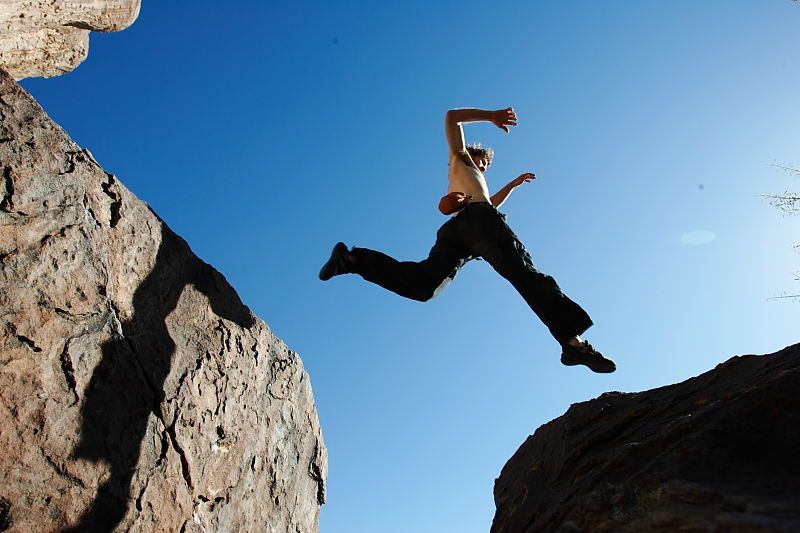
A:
47,37
137,392
719,452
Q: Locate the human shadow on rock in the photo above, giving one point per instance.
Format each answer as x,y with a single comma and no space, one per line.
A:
127,386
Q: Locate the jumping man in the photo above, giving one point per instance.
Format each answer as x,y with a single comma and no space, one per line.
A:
477,229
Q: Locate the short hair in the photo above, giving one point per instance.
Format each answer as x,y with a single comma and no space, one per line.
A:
480,151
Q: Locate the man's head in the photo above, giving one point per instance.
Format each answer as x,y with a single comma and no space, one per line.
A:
482,157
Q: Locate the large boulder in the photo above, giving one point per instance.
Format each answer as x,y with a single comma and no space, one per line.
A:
137,392
47,38
719,452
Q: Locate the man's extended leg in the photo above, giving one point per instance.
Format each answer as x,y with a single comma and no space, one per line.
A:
563,317
491,238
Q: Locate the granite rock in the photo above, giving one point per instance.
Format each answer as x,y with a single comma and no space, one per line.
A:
718,452
137,392
47,38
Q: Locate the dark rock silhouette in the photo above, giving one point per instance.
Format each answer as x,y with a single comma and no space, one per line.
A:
718,452
137,392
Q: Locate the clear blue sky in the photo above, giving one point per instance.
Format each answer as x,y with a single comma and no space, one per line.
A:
264,132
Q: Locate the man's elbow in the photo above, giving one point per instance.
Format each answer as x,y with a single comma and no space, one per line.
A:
452,128
452,117
452,125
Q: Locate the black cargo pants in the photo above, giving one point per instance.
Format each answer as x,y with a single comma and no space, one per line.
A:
479,230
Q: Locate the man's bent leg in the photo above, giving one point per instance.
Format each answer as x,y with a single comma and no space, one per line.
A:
419,281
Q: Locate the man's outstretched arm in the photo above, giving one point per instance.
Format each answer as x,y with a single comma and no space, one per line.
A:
502,195
502,118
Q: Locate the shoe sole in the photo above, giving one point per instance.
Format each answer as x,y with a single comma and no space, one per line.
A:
597,370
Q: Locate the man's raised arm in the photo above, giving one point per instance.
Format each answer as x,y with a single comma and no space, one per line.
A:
502,195
502,118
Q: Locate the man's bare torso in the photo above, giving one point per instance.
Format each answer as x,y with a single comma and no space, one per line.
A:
465,177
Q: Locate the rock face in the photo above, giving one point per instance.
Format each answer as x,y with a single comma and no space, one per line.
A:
48,38
719,452
137,392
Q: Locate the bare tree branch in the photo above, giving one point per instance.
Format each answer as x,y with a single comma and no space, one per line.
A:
790,170
788,202
795,297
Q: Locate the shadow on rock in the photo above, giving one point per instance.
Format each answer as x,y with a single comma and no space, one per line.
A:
127,386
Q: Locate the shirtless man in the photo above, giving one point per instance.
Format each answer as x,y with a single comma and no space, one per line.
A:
477,229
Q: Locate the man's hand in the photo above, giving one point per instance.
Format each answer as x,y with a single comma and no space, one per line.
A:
523,178
503,118
454,201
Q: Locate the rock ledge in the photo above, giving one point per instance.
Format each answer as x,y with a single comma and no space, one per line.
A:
718,452
48,38
137,392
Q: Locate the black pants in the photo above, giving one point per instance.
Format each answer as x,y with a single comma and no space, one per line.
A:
478,231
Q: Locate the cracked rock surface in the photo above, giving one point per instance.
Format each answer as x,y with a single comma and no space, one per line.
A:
137,392
717,453
51,37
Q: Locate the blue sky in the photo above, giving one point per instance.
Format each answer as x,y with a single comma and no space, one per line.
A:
264,132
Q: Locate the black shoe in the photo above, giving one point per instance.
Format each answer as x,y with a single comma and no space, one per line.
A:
340,262
586,355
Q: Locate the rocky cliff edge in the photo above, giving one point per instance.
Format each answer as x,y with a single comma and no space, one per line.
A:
718,452
137,392
47,37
